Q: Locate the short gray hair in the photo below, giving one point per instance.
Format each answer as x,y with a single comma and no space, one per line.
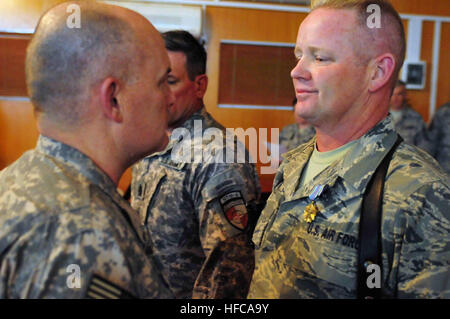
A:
391,34
63,63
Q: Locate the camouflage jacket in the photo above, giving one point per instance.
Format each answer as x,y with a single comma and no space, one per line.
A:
197,211
411,127
297,259
291,136
438,137
62,222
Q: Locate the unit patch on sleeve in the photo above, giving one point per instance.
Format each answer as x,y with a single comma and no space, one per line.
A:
233,206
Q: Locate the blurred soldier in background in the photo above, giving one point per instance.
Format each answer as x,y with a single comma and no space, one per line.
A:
200,213
407,122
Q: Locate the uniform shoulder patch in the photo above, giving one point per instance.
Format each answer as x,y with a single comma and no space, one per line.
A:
234,209
100,288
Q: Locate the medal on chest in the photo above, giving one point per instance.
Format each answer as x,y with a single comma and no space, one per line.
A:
311,210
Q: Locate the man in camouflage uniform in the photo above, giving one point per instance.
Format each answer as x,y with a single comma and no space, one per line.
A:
343,84
296,134
198,207
66,232
407,122
438,137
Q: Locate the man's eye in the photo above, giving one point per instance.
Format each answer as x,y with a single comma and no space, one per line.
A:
320,59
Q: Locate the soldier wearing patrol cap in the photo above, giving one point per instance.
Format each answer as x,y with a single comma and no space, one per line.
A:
307,238
96,91
199,211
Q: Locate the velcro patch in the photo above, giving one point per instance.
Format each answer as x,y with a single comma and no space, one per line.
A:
233,206
100,288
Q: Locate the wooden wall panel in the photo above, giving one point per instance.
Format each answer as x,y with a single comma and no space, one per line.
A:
252,25
12,65
18,132
420,99
428,7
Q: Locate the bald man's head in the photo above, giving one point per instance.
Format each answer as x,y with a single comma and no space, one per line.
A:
63,64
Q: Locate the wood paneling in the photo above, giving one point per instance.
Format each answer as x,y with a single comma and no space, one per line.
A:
428,7
12,65
247,71
18,132
420,99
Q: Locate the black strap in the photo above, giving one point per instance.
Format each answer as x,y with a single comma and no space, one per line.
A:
370,227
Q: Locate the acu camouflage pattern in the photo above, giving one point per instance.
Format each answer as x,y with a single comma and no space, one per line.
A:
296,259
411,127
438,137
292,136
201,254
58,208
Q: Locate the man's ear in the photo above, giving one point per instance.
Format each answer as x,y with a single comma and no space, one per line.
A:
201,84
109,89
382,69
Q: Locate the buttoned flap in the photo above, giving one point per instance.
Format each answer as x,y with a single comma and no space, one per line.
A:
143,190
227,193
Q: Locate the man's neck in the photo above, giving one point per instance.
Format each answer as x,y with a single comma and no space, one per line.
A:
350,128
98,149
181,122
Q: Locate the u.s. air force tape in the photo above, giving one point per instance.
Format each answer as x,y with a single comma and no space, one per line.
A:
100,288
234,208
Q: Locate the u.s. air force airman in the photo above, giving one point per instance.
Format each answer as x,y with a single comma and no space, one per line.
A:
198,210
307,237
96,90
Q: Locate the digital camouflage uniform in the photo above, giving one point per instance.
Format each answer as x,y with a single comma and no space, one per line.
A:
439,137
291,136
58,209
296,259
199,214
411,127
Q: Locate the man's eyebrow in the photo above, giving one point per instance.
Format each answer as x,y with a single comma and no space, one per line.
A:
311,49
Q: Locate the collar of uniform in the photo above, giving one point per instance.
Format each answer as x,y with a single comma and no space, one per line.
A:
358,165
73,158
294,162
202,115
189,125
81,164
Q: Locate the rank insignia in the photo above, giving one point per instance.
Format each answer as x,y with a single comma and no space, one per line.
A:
311,210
